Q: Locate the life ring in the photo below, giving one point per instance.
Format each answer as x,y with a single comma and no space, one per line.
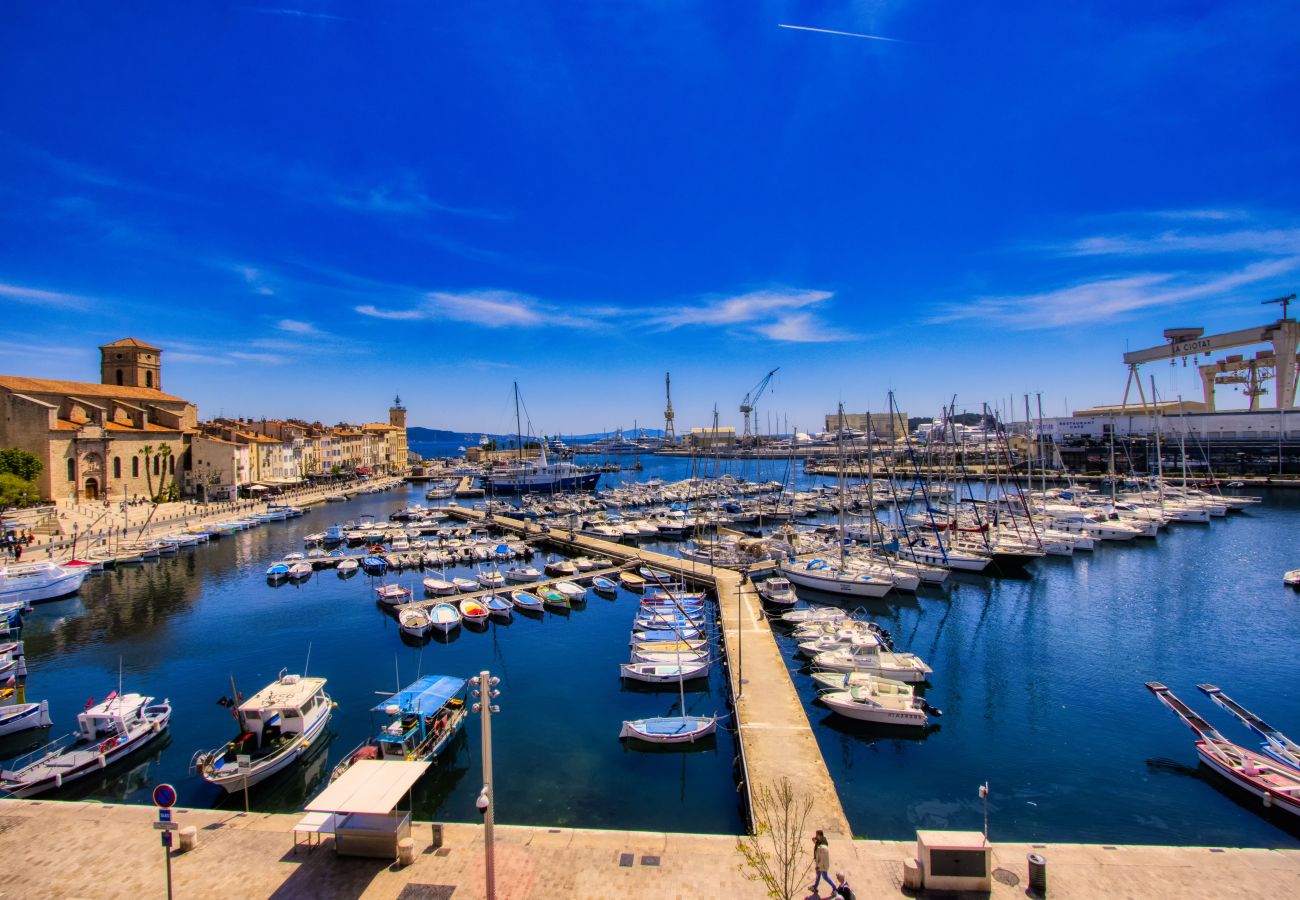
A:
108,745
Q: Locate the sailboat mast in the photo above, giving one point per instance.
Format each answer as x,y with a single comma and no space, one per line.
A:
840,468
519,432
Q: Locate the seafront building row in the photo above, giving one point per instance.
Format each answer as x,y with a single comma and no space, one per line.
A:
124,437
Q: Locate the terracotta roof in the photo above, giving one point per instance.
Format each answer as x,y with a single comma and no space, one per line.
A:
118,426
132,342
65,425
17,383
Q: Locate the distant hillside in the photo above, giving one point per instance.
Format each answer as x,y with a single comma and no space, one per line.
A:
418,434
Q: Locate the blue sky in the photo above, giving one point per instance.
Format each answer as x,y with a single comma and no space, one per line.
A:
314,206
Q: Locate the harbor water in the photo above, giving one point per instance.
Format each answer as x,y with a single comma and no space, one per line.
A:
1040,679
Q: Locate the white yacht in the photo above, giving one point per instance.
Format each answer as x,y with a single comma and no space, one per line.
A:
37,581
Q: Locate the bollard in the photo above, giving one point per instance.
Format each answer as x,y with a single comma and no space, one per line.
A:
189,838
405,851
1038,874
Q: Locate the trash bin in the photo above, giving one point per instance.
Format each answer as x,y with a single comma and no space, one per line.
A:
1038,874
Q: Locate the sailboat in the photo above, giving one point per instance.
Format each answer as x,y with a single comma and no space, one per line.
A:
539,475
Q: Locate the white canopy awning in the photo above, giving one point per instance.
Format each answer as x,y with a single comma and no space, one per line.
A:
369,786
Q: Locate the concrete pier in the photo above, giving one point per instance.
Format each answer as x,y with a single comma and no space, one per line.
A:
80,850
775,737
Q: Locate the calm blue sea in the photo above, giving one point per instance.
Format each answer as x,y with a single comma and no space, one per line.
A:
1040,679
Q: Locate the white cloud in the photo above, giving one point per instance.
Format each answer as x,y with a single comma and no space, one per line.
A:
295,13
40,297
401,315
1268,241
294,326
739,309
404,194
255,279
494,309
802,328
270,359
1107,299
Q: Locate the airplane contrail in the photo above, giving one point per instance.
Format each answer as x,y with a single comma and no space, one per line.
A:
870,37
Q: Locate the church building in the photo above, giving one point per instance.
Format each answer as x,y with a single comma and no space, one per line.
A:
119,439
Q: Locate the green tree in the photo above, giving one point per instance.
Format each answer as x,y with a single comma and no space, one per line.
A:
164,454
21,463
15,491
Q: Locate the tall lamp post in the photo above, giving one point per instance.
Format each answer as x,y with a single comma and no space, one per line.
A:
740,633
486,692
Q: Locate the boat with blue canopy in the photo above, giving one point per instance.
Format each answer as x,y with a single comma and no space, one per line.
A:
419,722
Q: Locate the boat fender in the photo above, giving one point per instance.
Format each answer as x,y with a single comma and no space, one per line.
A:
1268,801
58,779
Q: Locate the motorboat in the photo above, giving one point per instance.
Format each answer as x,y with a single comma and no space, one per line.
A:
37,581
490,578
277,725
866,654
1292,578
664,673
17,717
561,568
392,594
107,732
814,614
525,601
445,617
778,592
415,621
418,723
521,574
884,702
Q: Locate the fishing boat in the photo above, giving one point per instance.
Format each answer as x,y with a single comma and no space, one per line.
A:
465,585
670,657
348,566
1276,784
21,716
37,581
107,732
553,598
445,617
602,585
778,592
499,607
392,594
656,576
883,701
419,722
439,588
632,581
521,574
300,571
670,729
1276,744
472,610
277,572
277,725
490,578
415,621
664,673
525,601
374,565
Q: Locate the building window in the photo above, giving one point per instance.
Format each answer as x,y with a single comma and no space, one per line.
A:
171,465
156,464
135,467
117,467
72,470
119,377
148,379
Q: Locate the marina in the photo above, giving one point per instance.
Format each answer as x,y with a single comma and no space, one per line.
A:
1033,628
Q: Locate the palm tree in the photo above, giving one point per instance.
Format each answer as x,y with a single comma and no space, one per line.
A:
147,452
164,452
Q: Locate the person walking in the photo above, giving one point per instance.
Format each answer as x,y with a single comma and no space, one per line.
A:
842,889
822,864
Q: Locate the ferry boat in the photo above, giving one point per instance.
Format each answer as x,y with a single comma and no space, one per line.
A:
276,726
37,581
421,719
106,732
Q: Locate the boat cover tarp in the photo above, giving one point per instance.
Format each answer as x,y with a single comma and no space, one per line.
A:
426,695
369,786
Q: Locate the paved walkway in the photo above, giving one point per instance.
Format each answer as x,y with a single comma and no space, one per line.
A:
88,850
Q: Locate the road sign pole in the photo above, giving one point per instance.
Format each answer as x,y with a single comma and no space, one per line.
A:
245,762
167,855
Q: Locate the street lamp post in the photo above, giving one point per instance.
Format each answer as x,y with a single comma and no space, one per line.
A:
740,634
486,692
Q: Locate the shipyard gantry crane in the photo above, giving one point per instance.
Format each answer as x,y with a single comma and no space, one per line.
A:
751,400
670,432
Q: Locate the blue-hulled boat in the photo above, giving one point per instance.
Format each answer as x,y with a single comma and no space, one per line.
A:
418,722
374,565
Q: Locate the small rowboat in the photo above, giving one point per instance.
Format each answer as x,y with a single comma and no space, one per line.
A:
465,585
300,570
277,572
490,578
675,646
392,594
439,588
472,610
573,591
670,729
524,600
664,673
681,657
348,567
499,607
445,617
415,621
653,575
1292,578
551,597
632,581
23,716
665,634
561,567
603,585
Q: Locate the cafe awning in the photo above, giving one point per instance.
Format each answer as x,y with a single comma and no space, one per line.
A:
369,786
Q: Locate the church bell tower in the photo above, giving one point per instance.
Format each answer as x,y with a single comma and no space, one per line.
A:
131,363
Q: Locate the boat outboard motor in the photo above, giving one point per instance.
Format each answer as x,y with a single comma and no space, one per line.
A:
926,707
